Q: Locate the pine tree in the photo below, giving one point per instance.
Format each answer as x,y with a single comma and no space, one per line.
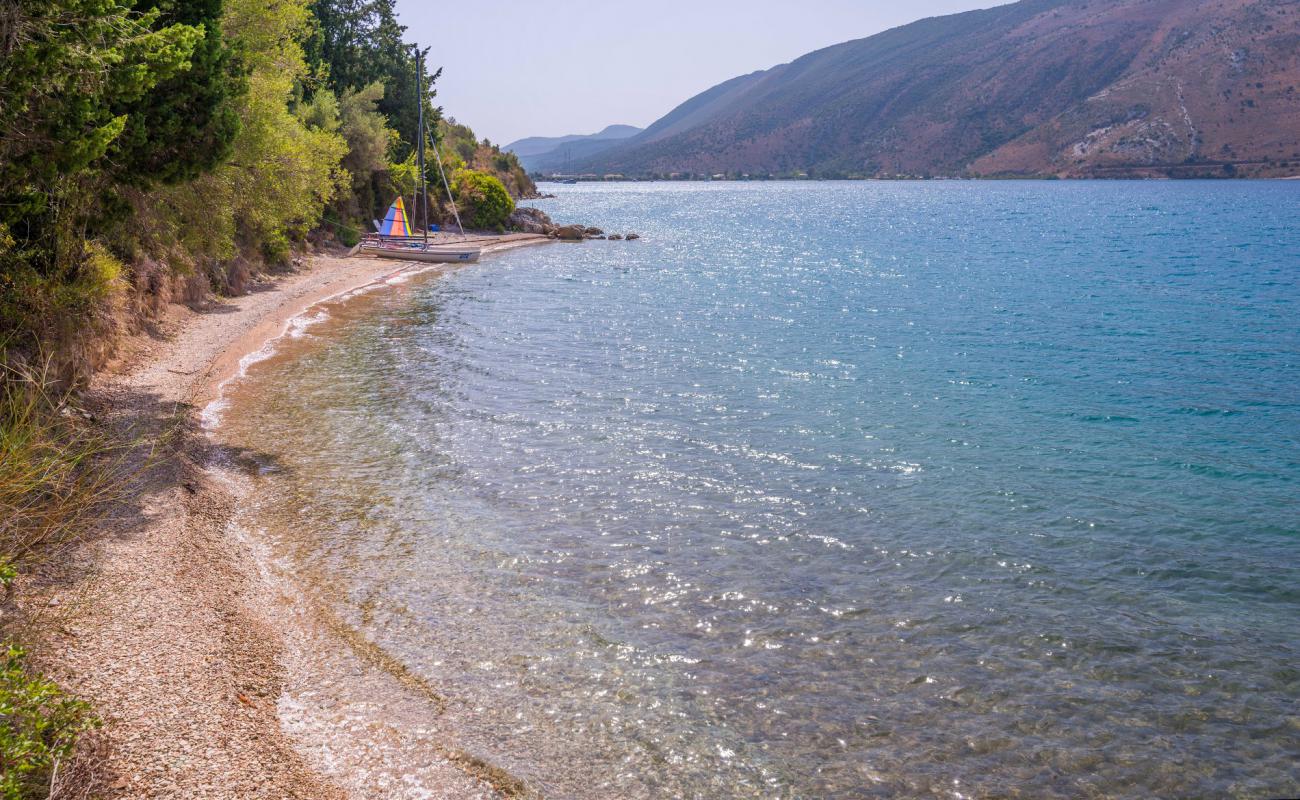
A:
186,126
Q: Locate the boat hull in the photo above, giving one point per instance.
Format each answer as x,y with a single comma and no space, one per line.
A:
439,255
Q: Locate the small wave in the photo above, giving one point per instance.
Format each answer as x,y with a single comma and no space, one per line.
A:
298,325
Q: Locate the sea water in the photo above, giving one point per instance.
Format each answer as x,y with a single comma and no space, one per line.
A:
827,490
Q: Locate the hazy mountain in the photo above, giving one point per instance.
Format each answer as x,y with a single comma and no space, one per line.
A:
546,149
1070,87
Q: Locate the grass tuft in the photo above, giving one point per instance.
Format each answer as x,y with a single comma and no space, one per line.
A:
58,473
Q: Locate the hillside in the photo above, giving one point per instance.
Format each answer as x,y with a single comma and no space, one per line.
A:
553,152
1039,87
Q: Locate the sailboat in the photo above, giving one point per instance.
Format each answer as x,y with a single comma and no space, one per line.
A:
395,237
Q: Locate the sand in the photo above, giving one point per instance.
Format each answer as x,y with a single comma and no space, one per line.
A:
166,622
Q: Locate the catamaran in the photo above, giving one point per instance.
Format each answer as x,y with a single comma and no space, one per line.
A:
395,237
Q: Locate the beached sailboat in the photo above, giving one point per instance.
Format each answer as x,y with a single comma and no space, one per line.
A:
395,237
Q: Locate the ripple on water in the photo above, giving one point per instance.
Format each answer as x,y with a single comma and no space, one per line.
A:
948,489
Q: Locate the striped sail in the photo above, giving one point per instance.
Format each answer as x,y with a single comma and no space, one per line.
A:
395,222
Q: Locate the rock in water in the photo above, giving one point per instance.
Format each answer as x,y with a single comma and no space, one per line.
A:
633,237
614,237
571,233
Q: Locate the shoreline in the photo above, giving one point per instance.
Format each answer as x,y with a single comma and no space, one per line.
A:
167,621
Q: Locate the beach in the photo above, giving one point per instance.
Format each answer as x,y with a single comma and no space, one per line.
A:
164,620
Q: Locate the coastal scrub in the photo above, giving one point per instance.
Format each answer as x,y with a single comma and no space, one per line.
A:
484,202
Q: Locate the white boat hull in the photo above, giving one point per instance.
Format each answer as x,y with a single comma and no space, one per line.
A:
441,254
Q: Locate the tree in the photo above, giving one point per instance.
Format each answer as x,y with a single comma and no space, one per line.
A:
71,71
359,42
285,163
370,141
187,124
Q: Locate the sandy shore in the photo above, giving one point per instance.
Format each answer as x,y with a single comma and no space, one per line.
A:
166,622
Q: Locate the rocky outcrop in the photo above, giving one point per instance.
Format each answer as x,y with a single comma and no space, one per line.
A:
533,220
530,220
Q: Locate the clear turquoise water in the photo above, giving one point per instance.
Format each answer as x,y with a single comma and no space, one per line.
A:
828,490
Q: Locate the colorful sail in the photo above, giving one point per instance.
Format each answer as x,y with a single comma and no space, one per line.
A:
395,222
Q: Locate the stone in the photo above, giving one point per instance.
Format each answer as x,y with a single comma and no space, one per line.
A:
529,220
631,237
571,233
614,237
595,232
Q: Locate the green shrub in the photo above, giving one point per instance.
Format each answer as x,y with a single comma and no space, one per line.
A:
483,200
39,727
347,235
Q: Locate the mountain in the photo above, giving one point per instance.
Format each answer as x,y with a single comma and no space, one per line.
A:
547,149
1038,87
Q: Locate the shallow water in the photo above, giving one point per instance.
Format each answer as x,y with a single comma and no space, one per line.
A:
825,490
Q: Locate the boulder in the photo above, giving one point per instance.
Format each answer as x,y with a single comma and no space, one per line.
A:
631,237
529,220
614,237
595,232
571,233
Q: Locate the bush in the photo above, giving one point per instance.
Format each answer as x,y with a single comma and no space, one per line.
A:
39,727
347,235
483,200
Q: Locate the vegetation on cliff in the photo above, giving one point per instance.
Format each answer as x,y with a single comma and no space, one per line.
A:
157,148
152,151
483,200
460,149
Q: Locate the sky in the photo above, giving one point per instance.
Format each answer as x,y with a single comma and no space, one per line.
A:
516,68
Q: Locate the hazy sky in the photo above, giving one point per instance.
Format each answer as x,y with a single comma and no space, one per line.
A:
515,68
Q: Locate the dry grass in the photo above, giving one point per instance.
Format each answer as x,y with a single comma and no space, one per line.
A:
58,472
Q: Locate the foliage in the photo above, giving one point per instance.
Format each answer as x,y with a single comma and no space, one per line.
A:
72,70
483,200
357,43
39,727
370,141
284,166
187,124
72,73
461,149
56,476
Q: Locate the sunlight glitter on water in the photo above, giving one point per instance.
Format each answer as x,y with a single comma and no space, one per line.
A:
900,497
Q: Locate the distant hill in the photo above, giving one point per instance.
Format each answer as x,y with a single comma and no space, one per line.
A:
536,150
1039,87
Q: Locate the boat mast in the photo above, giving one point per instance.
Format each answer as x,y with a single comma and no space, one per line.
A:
419,93
437,155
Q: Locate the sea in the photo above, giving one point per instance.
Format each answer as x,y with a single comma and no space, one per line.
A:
816,490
